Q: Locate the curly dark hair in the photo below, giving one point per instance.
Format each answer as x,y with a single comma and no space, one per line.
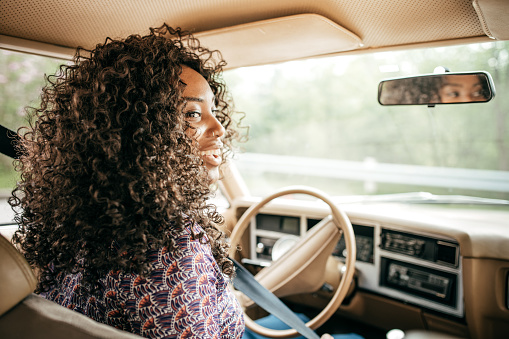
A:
106,159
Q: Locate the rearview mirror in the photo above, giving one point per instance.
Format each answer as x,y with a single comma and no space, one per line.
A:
432,89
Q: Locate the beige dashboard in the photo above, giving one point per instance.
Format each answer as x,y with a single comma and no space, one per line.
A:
425,267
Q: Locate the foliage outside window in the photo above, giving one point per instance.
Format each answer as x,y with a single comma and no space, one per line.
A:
21,81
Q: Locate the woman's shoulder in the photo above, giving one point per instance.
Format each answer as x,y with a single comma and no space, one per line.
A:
192,237
191,249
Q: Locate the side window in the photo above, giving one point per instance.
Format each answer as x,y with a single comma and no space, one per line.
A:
21,81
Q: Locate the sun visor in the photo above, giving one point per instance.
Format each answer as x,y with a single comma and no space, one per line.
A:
493,15
280,39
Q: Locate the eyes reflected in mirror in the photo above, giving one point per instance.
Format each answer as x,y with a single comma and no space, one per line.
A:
435,89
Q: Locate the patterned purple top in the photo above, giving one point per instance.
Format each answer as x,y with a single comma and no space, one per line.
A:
185,296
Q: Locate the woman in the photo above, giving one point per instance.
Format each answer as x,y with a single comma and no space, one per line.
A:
115,177
461,88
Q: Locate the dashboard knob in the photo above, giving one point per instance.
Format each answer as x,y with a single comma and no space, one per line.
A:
259,248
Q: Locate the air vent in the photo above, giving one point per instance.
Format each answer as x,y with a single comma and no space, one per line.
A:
447,253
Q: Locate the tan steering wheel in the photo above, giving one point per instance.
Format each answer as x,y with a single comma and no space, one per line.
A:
303,267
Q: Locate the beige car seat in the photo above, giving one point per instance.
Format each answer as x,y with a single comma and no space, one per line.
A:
24,314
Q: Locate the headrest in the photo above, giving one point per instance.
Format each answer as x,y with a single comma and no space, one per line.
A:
16,277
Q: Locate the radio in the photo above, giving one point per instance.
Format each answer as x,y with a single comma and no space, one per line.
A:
420,281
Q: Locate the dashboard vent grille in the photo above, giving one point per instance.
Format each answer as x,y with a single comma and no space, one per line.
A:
447,253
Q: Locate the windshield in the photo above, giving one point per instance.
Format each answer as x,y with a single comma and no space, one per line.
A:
318,123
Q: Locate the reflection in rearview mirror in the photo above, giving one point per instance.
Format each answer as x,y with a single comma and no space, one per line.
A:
434,89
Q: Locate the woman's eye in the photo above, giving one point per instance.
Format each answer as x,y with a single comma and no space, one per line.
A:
193,115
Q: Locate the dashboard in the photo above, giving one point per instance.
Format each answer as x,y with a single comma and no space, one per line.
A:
441,268
418,268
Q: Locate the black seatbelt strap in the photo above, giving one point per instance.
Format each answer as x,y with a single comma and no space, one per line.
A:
7,140
247,284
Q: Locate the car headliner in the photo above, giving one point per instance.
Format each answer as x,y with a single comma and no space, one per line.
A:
250,32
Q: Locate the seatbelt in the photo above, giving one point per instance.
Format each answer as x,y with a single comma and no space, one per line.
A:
247,284
7,140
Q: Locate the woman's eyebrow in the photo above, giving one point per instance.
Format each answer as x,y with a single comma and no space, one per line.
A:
193,99
453,84
198,99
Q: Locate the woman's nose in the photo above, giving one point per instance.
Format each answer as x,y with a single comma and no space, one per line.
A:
216,128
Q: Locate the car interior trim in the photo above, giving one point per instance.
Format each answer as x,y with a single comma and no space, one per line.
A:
36,47
492,14
300,31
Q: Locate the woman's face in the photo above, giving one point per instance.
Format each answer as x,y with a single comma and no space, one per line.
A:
200,112
461,88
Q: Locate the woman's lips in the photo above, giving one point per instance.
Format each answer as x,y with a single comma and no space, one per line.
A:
212,157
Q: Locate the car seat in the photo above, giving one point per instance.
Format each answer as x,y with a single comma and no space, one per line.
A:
24,314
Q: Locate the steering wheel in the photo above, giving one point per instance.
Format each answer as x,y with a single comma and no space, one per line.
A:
302,268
